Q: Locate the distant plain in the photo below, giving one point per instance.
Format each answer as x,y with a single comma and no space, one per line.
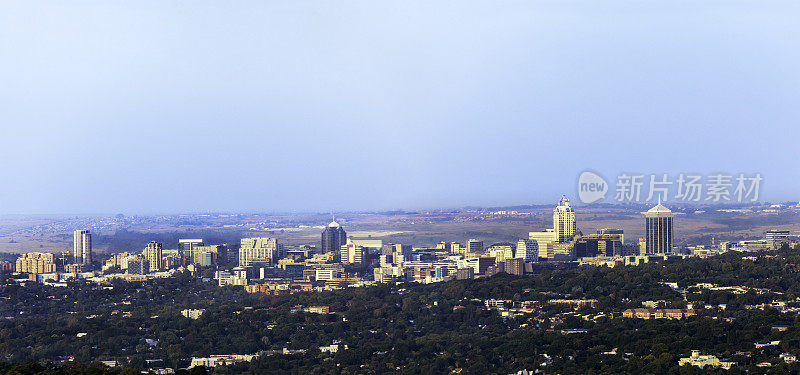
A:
694,226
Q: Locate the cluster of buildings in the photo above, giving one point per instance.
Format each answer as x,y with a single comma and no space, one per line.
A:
564,242
704,360
154,258
41,263
193,313
231,359
658,313
221,360
264,265
773,239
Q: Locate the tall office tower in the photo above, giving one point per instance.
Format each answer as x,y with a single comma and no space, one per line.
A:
261,250
527,250
351,252
187,249
82,247
152,253
658,226
474,246
333,237
564,221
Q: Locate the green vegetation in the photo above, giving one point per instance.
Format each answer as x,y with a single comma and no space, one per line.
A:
433,328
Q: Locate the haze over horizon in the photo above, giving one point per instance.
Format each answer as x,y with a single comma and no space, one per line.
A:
318,107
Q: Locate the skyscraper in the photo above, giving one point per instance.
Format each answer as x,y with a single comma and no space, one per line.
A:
658,227
564,221
82,247
333,237
152,253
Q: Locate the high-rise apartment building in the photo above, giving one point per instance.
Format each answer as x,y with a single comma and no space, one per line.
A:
658,229
564,221
6,266
136,265
514,266
261,250
36,263
152,253
333,237
82,247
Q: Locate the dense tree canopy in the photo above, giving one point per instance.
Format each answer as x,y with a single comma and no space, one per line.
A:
413,328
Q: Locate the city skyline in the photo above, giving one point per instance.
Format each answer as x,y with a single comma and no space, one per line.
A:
399,187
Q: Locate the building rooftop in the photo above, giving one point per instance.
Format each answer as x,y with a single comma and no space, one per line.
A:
659,209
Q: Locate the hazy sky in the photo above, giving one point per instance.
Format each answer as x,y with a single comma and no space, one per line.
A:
187,106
